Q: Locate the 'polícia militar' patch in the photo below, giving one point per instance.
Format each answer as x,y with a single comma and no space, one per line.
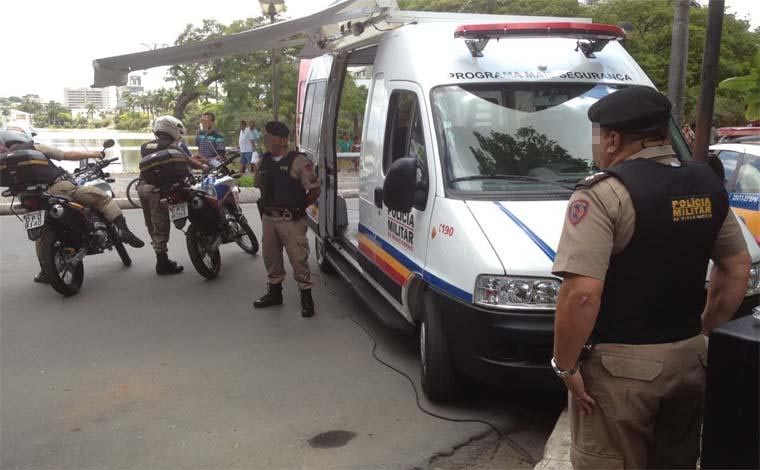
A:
691,208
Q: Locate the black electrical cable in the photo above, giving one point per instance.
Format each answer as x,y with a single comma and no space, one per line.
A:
511,442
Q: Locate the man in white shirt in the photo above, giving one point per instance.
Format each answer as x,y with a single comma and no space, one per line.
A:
246,146
256,138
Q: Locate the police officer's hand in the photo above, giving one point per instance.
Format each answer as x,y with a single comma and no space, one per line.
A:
583,400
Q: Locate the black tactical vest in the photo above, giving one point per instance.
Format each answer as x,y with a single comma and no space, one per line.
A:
279,190
156,145
655,288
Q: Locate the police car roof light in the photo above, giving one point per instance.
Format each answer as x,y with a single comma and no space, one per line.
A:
591,37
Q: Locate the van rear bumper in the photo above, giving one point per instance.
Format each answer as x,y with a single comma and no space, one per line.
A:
501,348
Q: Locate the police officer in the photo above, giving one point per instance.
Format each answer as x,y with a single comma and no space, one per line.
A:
633,253
63,185
288,185
168,131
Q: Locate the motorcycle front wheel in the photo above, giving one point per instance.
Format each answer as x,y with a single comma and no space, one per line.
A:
57,267
120,249
247,239
206,261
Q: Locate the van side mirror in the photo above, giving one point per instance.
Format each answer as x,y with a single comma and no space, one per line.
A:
399,185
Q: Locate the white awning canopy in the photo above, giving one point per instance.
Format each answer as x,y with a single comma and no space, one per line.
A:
114,70
343,25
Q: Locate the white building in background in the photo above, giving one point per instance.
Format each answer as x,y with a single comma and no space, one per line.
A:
81,97
19,118
133,87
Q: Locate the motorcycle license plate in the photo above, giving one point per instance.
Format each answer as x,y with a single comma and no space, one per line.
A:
34,219
177,211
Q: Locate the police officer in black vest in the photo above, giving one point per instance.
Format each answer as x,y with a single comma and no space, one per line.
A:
634,254
288,184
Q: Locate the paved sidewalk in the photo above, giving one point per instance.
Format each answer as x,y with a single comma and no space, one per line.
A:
557,450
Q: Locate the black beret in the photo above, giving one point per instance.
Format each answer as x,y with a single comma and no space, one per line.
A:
633,109
278,129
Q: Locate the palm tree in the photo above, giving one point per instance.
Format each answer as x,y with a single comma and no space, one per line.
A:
54,111
749,86
91,109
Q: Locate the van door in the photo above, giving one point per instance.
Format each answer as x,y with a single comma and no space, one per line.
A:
394,244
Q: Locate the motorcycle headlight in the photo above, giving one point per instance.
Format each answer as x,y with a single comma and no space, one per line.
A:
753,284
516,292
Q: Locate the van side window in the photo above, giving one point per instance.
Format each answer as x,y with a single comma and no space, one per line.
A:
404,134
311,125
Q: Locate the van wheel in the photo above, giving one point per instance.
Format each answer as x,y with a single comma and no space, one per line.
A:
439,380
319,251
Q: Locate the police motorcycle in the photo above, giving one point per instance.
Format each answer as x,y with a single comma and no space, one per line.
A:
93,175
67,231
210,202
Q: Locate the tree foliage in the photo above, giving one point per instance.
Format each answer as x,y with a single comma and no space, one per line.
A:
648,43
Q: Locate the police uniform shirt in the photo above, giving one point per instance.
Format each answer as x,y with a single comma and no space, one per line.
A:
50,152
302,170
600,223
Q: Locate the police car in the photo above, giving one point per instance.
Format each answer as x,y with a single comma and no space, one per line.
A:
741,162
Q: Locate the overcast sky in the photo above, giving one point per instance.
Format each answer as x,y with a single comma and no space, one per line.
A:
55,41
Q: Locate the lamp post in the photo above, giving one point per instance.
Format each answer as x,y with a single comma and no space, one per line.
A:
272,8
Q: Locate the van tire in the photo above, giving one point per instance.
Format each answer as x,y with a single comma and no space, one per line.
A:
319,252
438,377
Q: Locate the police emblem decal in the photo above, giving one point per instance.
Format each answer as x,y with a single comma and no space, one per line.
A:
577,211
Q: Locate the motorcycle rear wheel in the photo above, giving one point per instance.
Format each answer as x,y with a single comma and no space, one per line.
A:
207,262
64,278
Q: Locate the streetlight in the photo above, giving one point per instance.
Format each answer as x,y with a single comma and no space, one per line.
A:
272,8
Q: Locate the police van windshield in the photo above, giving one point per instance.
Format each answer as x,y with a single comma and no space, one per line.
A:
526,137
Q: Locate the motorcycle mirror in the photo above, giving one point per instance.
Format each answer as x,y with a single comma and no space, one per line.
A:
108,144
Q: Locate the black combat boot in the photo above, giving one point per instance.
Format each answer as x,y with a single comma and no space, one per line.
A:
307,303
272,297
41,278
125,234
166,266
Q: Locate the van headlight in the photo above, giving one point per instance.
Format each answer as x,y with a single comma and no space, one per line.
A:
753,284
517,292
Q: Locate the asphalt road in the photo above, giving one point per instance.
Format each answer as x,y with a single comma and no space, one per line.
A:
141,371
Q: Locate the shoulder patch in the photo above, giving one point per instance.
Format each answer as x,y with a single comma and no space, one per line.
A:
593,179
577,211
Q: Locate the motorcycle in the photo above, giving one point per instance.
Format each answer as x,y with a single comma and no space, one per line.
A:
211,203
67,231
93,175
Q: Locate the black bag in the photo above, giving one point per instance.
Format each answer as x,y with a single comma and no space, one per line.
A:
22,168
165,167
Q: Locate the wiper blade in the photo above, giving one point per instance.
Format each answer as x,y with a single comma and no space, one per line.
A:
510,178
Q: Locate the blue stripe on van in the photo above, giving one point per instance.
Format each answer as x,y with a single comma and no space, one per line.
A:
548,251
414,267
750,201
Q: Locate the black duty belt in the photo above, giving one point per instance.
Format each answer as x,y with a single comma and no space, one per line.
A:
291,213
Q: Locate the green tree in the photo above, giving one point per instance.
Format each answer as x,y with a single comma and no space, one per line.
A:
91,109
749,86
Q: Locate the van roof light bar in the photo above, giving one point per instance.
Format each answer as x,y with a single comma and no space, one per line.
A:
591,37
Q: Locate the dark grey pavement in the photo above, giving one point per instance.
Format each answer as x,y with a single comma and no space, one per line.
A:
141,371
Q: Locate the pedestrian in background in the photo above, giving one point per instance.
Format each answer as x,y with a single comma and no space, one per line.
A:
633,253
245,141
210,141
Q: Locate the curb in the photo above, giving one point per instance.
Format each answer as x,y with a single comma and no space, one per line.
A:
557,450
247,196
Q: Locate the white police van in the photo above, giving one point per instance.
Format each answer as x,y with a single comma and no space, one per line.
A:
474,135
